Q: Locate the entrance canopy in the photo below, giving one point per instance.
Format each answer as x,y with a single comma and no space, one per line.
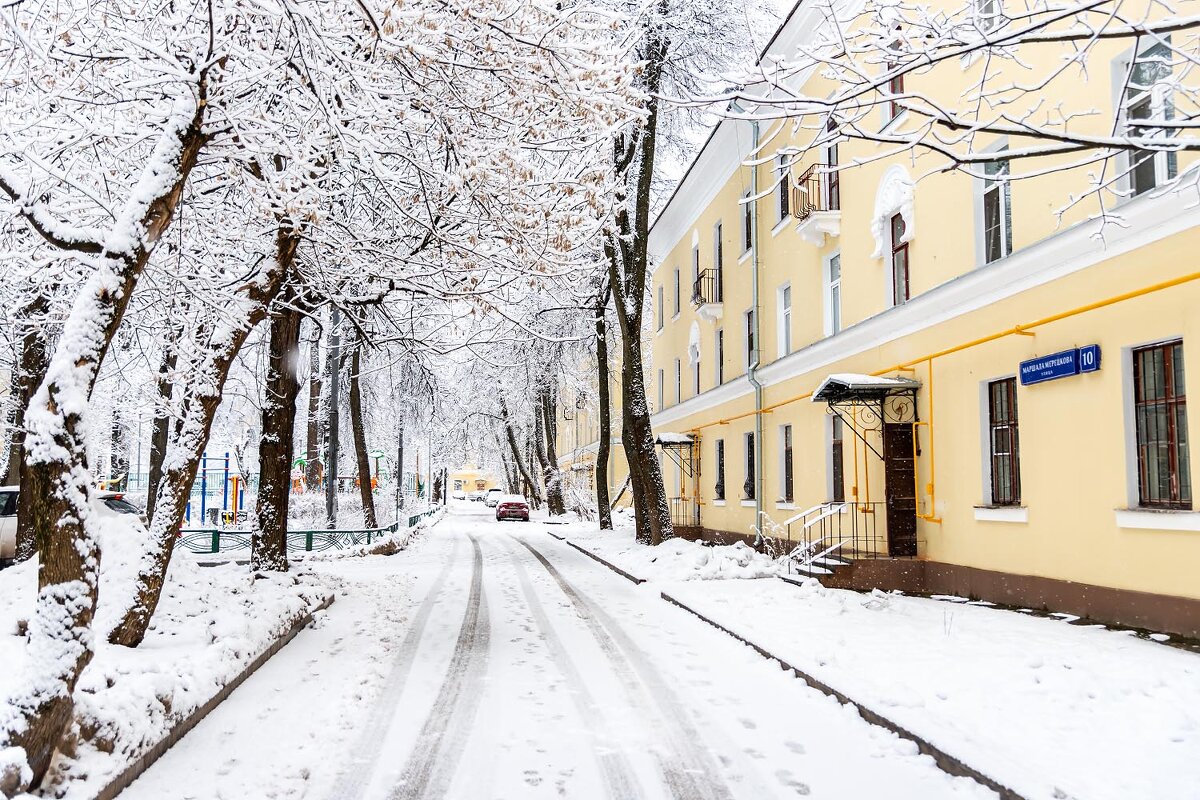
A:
678,446
849,387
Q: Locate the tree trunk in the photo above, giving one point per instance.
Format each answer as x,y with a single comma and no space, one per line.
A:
360,441
210,370
626,250
56,477
511,435
551,473
160,433
312,471
333,358
269,544
603,443
30,372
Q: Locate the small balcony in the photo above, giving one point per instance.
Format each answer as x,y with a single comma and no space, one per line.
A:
707,294
817,204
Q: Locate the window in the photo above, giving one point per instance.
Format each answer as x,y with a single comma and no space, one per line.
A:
718,264
661,308
662,382
749,338
785,320
837,476
678,381
785,436
747,223
833,181
834,293
748,486
997,211
1147,99
895,88
783,165
677,291
696,377
1160,408
695,264
988,14
1004,442
899,261
719,357
719,489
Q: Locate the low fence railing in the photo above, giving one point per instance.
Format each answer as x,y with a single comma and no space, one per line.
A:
231,540
838,530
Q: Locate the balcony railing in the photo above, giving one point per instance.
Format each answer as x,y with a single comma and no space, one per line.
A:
707,288
816,191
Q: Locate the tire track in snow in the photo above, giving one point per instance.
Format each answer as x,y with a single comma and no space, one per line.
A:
690,771
351,783
619,779
442,739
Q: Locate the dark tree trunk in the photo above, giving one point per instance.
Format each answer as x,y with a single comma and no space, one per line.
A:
360,441
118,460
160,433
269,545
312,472
551,473
30,372
56,476
531,488
603,505
200,407
626,253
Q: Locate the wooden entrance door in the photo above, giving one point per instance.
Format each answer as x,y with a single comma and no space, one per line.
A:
899,486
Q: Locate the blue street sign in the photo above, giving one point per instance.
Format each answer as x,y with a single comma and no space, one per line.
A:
1060,365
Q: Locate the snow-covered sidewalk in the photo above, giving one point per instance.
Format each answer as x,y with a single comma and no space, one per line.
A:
1052,710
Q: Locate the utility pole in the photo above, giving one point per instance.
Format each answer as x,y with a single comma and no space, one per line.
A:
331,455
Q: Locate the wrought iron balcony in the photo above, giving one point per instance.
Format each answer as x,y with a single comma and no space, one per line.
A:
707,288
817,203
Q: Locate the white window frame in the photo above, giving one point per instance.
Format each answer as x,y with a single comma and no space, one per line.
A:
747,226
783,167
783,498
678,382
747,333
979,189
718,262
827,295
678,286
662,310
662,380
783,319
889,263
987,23
1162,107
748,475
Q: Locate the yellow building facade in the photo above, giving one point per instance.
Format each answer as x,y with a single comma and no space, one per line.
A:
931,381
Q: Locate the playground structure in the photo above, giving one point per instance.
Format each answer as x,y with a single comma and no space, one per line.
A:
224,472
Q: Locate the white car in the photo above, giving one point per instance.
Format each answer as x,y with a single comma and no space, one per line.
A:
109,504
492,497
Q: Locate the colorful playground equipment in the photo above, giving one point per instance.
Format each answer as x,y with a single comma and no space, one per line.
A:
218,471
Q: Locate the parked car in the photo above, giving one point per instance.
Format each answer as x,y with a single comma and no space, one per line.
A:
458,494
512,506
492,497
107,504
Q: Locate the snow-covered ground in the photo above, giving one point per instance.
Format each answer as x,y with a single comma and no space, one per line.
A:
490,660
1050,709
211,622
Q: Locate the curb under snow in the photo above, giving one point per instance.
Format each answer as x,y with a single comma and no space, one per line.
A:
944,761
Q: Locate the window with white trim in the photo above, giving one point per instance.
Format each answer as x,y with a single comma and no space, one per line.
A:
1146,101
719,357
989,14
718,264
900,263
786,464
678,381
748,485
677,290
784,190
747,223
785,320
833,294
719,488
749,338
661,389
996,200
661,308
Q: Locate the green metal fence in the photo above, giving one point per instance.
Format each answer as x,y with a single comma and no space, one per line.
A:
216,540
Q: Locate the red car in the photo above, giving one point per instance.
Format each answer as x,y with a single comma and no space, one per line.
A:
512,506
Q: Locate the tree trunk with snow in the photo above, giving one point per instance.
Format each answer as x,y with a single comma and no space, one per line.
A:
269,544
515,449
160,433
57,478
553,476
360,440
206,385
312,470
27,377
605,433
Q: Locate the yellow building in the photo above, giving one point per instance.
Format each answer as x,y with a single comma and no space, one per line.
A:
932,385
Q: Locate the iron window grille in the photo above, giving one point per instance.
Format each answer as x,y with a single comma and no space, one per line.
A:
1005,442
1160,405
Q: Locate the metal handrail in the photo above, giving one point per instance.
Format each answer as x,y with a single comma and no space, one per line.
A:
812,194
707,287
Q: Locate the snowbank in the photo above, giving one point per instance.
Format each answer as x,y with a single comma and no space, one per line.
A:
673,560
210,624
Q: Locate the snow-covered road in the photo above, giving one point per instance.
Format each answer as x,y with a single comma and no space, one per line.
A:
492,661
